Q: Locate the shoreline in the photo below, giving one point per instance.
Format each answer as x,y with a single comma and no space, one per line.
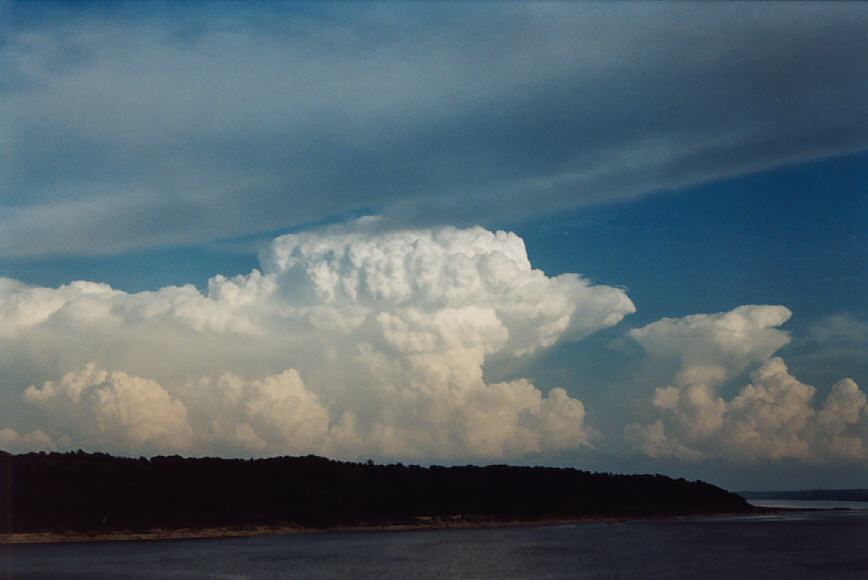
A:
161,534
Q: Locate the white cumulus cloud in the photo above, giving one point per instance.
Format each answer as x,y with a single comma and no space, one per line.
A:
349,342
775,416
109,410
12,441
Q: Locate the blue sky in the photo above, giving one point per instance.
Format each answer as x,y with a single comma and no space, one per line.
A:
695,158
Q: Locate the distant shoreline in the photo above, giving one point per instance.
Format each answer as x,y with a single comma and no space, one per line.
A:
852,495
17,538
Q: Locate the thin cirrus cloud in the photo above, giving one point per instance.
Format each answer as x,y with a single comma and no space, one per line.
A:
122,130
350,342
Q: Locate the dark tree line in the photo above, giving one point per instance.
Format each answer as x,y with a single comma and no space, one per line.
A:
97,492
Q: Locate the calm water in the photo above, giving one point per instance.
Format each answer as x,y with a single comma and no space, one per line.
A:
811,504
792,545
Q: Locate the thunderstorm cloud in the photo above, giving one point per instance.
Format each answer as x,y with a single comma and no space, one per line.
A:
348,342
775,416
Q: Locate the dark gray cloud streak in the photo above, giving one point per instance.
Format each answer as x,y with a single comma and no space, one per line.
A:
125,130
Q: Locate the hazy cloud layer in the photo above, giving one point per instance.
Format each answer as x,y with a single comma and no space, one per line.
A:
775,416
124,127
350,342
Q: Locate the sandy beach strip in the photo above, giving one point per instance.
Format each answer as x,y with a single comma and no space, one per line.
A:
252,531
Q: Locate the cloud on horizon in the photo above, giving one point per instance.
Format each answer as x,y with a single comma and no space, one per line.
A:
774,417
121,130
350,342
355,342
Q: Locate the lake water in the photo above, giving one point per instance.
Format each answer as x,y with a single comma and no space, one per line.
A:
809,504
818,545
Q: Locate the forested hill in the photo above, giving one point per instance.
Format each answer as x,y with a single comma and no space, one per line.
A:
98,492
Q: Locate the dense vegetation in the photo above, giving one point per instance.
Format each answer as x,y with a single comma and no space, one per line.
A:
98,492
810,494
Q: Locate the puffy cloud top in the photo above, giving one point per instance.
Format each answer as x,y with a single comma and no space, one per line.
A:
447,269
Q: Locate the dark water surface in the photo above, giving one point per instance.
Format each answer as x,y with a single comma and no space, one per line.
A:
823,544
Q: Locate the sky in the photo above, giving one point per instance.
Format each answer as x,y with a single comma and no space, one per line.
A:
614,236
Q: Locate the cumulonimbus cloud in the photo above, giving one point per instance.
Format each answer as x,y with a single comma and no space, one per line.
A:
349,342
773,417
